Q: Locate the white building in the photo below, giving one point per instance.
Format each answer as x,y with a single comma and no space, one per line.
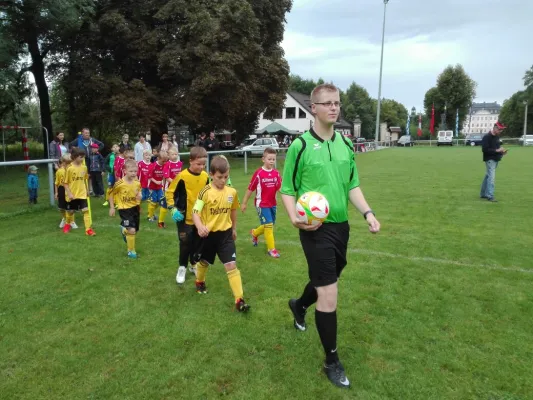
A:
482,118
296,116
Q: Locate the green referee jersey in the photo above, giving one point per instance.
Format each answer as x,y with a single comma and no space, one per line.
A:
324,166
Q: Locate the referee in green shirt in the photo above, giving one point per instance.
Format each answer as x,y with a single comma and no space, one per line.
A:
322,160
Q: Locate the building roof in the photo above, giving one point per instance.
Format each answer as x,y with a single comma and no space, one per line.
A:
305,101
492,107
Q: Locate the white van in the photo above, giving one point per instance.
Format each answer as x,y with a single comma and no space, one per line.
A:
445,138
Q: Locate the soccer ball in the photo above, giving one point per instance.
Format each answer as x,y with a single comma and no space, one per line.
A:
312,208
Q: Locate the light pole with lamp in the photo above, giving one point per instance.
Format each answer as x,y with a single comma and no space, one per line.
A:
381,71
525,123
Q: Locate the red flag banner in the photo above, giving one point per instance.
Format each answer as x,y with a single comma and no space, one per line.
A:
432,123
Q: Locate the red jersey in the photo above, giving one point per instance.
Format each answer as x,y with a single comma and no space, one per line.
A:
266,184
156,172
118,167
171,170
143,168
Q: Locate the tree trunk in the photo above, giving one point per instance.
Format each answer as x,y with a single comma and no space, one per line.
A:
37,69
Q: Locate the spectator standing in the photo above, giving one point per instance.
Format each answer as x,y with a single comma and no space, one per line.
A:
164,145
212,144
141,146
492,154
125,143
57,148
96,170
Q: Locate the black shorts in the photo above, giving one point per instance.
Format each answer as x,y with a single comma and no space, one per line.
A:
61,201
219,244
187,233
325,251
77,205
130,217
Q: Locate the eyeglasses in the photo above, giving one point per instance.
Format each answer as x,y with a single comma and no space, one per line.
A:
328,104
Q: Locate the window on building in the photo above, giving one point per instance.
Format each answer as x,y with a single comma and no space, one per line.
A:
290,112
301,113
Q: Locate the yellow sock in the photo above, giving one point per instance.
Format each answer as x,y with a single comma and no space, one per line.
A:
201,271
234,278
130,239
258,231
162,214
151,209
269,236
63,214
87,220
69,218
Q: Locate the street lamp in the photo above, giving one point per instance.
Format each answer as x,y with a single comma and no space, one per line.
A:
381,70
525,123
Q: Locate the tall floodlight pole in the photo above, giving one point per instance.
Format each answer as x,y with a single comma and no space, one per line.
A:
381,70
525,123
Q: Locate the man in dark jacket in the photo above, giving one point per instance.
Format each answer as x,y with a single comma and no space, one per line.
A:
492,154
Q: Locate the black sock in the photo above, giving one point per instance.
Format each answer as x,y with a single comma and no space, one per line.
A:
309,297
326,325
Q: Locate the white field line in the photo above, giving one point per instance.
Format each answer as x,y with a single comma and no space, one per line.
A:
171,230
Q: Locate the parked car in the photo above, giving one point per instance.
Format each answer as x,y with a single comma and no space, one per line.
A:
406,141
473,140
445,138
257,146
227,145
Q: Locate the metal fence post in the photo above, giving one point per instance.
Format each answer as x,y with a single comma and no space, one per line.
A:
51,184
245,163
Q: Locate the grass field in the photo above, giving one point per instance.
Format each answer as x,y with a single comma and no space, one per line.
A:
439,305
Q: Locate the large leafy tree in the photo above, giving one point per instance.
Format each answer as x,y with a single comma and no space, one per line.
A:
393,113
36,28
454,90
301,85
204,64
513,110
357,103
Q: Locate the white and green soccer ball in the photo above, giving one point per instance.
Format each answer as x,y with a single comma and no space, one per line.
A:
312,208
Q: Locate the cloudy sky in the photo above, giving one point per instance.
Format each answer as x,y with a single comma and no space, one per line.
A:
340,41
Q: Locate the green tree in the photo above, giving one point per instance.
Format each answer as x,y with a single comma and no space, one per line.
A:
357,103
528,78
210,65
454,90
37,28
512,113
393,113
300,85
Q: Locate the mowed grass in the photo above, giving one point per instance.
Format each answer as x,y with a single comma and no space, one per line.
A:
437,306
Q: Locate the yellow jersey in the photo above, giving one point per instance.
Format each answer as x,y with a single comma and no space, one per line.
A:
125,194
183,192
60,176
75,178
215,206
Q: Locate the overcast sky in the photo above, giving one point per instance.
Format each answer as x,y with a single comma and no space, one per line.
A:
340,41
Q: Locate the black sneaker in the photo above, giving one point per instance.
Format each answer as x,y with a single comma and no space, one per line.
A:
241,305
492,199
201,288
298,314
336,375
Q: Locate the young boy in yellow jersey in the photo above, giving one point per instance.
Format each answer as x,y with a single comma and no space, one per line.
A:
76,180
59,191
215,218
127,194
180,196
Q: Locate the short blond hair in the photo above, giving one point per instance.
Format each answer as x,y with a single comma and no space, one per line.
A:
325,87
65,159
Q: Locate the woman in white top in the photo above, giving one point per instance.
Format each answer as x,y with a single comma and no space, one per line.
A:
141,146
